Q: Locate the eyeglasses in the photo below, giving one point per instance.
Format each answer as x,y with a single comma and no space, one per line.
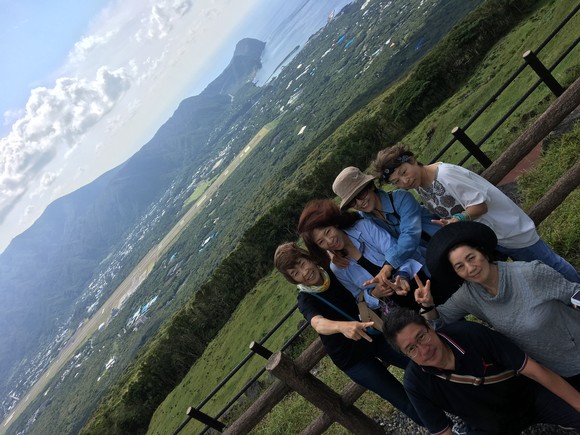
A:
422,338
361,196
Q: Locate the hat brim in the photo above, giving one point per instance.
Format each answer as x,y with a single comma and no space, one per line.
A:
472,233
344,203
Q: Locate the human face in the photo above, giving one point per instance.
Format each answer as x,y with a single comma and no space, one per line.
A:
306,272
329,238
407,176
366,200
421,344
470,264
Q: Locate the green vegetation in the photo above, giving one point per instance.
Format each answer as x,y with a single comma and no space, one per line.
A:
261,211
294,413
562,228
201,187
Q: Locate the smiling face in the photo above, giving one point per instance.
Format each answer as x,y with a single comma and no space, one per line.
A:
406,176
470,264
306,272
329,238
367,200
422,345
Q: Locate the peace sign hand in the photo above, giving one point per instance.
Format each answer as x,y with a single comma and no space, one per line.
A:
423,292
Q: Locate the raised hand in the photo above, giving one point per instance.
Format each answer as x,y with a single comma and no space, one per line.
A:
356,330
423,292
338,259
401,286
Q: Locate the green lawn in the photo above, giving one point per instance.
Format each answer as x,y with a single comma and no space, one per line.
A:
264,306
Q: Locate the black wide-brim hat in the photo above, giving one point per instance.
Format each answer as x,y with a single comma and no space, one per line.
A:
472,233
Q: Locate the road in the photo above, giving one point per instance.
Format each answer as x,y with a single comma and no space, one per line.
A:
128,286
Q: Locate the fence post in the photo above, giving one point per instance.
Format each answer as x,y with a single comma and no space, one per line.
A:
322,396
260,350
546,76
275,393
546,123
475,151
348,396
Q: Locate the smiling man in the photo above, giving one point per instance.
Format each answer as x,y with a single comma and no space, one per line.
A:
475,373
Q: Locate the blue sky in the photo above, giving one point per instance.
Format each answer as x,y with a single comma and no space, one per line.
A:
85,84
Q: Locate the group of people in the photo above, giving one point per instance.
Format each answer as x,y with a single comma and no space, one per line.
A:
391,282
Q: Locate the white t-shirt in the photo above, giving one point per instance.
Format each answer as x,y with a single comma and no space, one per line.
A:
456,188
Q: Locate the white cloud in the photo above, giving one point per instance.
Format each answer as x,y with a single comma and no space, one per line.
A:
29,210
161,18
86,45
12,115
53,123
48,178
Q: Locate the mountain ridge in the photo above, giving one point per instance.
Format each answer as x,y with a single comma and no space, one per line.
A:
51,263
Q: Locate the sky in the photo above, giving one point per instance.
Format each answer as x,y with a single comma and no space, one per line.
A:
84,84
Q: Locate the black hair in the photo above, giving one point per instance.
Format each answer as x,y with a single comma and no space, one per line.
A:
398,320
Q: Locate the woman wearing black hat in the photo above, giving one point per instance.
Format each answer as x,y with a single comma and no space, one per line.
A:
527,302
457,195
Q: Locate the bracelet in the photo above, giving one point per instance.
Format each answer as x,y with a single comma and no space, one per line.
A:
425,310
459,216
466,214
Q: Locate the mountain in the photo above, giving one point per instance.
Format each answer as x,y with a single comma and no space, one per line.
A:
45,270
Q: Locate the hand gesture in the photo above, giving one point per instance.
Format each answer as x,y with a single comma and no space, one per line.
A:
382,282
338,259
386,288
444,222
423,292
401,286
356,330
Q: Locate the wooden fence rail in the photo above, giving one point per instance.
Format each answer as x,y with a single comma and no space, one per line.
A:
546,123
340,408
567,101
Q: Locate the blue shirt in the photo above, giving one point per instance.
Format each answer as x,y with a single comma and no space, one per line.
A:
406,230
372,241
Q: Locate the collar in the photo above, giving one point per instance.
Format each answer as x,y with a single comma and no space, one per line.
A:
457,350
316,288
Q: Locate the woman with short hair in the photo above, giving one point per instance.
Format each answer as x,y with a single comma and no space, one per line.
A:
457,194
530,303
355,347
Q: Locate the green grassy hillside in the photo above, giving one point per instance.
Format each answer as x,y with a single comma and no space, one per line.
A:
561,229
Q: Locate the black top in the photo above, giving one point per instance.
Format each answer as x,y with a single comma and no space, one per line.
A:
502,408
343,351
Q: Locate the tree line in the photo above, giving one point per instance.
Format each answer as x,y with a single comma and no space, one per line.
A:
130,403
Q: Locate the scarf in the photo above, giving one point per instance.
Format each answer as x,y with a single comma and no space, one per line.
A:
317,288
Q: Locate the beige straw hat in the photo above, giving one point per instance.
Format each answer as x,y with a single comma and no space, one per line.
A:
349,183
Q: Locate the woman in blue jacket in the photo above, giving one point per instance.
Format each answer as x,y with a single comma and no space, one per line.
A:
363,244
408,222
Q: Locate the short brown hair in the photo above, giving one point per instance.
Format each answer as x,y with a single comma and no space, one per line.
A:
287,256
387,159
320,213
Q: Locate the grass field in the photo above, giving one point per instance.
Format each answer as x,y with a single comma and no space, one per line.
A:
261,309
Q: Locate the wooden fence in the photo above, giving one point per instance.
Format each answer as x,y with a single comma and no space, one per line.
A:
295,375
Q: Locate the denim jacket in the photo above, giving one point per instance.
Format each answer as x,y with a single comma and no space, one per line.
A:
406,231
372,241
